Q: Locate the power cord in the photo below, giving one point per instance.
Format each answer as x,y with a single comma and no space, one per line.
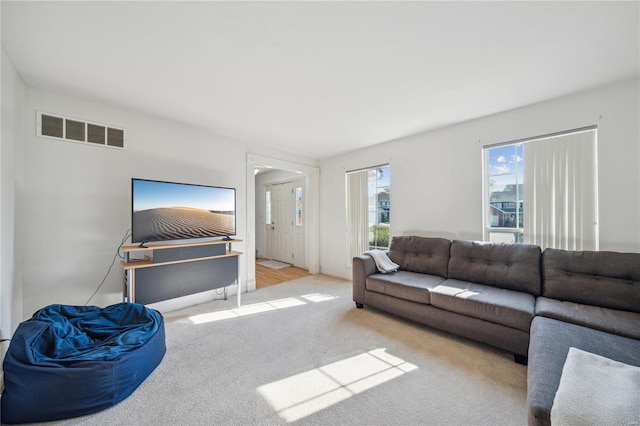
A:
126,235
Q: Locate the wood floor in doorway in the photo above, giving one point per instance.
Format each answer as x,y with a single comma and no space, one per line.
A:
266,277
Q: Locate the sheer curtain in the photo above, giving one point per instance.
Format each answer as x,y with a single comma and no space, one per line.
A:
561,195
357,214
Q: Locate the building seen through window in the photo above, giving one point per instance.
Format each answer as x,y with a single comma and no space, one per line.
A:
506,194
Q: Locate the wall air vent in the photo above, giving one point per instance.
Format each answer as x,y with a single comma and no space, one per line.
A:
75,130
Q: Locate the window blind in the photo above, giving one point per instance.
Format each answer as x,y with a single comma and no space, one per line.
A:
357,214
561,199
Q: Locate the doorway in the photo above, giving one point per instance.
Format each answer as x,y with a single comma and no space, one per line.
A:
309,214
266,277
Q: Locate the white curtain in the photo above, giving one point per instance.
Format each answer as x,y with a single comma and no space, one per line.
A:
561,196
357,214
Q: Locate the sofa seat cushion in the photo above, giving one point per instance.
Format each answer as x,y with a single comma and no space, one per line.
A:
548,349
622,323
404,285
507,307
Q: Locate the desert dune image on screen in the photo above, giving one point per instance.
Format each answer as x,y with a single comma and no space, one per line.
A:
172,211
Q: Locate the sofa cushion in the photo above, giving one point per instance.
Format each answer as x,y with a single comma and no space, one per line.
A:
548,349
607,279
404,285
596,390
421,254
507,307
622,323
509,266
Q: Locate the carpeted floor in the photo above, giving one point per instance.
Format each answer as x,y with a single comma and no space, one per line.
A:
301,352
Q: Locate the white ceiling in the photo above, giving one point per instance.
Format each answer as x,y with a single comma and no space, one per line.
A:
321,78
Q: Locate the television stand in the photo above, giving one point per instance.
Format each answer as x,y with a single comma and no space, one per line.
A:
175,270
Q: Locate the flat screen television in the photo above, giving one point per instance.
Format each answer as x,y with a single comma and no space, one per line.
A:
162,211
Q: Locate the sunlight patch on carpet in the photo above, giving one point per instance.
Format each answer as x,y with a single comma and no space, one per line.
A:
306,393
257,308
318,297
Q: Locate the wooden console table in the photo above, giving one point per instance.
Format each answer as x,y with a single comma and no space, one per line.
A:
175,270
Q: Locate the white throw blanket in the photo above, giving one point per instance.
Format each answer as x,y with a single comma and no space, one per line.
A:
383,263
595,390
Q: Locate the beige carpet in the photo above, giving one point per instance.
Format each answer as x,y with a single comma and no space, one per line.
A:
300,352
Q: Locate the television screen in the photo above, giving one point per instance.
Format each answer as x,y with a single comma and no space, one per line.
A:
174,211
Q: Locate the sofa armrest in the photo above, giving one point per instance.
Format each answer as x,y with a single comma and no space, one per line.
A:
363,266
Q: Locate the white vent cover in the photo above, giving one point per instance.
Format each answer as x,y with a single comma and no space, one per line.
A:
74,130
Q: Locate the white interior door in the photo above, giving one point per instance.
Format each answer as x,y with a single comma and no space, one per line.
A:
285,226
278,232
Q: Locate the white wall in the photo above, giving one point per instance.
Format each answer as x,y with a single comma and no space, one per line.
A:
74,207
72,201
12,90
436,177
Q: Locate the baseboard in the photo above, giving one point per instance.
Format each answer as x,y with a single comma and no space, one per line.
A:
250,285
336,275
177,303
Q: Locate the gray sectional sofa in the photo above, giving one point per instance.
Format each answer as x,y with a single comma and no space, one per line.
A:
590,301
514,297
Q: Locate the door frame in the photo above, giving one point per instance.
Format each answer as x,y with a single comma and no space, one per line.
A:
312,175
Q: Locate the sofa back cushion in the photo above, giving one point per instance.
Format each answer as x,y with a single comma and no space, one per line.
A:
421,254
508,266
602,278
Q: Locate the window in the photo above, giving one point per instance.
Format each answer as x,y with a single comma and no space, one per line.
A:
378,207
505,194
299,206
368,210
267,204
543,191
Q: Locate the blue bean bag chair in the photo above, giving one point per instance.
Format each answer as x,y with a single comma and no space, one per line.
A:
68,361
